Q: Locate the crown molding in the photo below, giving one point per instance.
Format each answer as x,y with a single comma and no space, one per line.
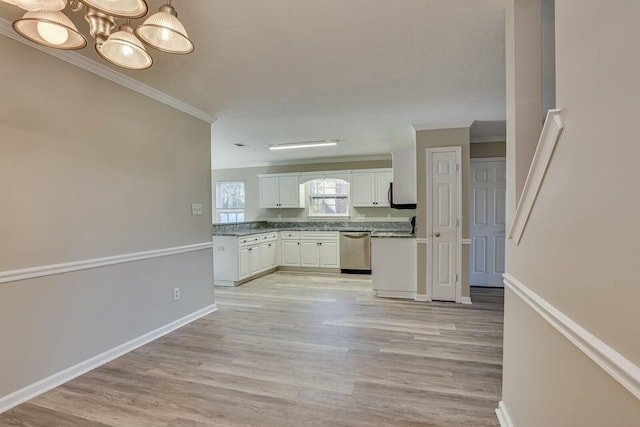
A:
494,138
74,58
439,126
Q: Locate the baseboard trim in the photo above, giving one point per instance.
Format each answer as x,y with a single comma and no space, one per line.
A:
503,415
615,364
465,300
48,270
29,392
421,297
396,294
465,241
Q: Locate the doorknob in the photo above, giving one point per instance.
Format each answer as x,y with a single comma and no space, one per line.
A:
437,234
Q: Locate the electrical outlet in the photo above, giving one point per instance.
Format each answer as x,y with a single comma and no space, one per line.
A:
176,294
196,209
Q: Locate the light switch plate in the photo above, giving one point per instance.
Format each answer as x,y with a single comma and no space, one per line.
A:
196,209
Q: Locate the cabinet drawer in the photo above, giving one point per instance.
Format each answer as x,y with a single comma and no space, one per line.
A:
290,235
268,237
249,240
320,235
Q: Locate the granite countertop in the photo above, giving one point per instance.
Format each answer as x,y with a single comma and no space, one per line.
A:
399,229
394,234
246,232
380,232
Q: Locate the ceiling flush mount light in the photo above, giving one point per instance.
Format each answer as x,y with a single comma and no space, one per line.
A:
45,23
307,144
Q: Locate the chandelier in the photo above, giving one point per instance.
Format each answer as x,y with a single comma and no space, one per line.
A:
46,24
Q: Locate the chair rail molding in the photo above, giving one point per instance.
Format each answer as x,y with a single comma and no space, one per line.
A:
544,151
48,270
74,58
620,368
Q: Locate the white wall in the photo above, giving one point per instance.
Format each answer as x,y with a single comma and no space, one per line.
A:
90,169
580,250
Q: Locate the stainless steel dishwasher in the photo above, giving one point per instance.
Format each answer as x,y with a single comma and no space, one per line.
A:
355,252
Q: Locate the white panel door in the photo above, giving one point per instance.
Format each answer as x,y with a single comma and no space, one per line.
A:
487,222
444,214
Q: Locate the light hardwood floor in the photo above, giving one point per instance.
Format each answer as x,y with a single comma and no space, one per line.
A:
294,349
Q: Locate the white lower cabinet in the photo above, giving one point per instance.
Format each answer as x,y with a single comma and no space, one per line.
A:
394,267
290,253
330,254
320,249
237,259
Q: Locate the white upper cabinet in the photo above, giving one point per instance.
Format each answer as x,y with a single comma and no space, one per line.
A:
370,188
281,191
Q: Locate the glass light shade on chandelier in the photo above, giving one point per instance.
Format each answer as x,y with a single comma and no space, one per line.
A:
123,49
36,5
121,8
163,31
51,29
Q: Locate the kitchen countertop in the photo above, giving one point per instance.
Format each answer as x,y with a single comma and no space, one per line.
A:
258,227
241,233
394,234
374,232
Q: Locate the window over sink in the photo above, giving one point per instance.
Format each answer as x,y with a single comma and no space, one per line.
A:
229,201
328,197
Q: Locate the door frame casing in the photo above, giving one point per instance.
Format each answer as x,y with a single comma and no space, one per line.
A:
458,243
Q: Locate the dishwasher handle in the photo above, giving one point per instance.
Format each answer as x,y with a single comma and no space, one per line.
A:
355,235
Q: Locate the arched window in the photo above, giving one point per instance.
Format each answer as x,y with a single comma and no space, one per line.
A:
328,197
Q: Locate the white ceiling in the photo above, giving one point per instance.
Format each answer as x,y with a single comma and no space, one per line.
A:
360,71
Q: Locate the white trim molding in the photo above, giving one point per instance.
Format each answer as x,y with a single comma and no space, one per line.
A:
421,297
74,58
29,392
503,415
465,241
422,240
48,270
615,364
546,144
465,300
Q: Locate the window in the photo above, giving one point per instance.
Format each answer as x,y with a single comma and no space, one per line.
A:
328,197
230,201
